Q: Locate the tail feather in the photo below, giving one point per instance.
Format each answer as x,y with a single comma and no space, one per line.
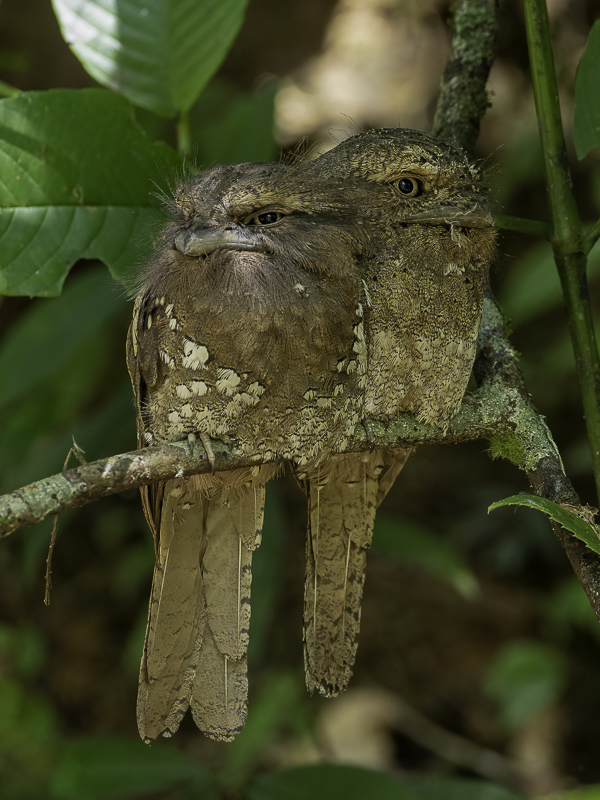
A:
219,696
343,495
232,531
220,691
175,620
199,617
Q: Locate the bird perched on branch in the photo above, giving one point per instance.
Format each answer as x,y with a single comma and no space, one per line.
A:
247,328
430,241
284,306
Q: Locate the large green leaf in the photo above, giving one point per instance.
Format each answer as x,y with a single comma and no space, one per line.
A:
415,545
104,768
586,122
158,53
328,781
525,678
77,181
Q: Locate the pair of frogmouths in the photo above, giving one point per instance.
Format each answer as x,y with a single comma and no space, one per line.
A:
284,306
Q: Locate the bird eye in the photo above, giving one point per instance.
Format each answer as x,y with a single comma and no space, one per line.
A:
409,187
266,218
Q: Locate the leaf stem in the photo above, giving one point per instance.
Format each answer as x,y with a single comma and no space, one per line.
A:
533,227
567,237
592,236
184,137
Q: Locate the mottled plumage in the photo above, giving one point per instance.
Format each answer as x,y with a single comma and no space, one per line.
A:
430,241
284,306
247,328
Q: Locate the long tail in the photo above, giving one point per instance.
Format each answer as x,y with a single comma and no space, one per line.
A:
198,622
343,495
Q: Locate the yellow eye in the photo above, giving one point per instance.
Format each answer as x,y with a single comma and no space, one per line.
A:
266,218
409,187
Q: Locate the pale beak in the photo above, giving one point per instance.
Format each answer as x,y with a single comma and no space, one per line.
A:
201,241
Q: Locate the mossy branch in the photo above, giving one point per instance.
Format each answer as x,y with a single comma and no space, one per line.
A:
496,409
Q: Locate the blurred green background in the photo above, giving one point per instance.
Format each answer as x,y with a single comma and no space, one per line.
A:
478,654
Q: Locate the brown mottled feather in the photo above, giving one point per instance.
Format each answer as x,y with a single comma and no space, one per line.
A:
343,494
423,271
247,334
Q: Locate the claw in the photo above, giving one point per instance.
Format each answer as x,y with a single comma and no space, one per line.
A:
210,453
368,427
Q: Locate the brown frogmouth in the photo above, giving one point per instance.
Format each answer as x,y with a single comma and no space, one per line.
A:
430,243
247,328
283,306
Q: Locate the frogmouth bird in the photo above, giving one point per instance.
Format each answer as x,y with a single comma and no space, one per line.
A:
283,306
248,328
430,241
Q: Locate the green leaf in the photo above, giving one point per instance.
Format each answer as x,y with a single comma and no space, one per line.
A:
228,126
460,789
533,286
105,768
586,121
270,712
582,793
328,781
525,678
569,520
78,177
423,548
158,53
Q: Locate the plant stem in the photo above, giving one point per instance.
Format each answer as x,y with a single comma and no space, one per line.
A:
567,238
533,227
592,236
184,142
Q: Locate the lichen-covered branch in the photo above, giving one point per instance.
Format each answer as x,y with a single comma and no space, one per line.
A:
485,414
463,98
529,444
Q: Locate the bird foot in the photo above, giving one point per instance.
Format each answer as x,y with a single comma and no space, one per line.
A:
208,449
368,428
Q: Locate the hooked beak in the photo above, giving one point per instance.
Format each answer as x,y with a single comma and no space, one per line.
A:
475,217
203,241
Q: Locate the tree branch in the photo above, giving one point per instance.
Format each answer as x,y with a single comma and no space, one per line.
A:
494,409
463,98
